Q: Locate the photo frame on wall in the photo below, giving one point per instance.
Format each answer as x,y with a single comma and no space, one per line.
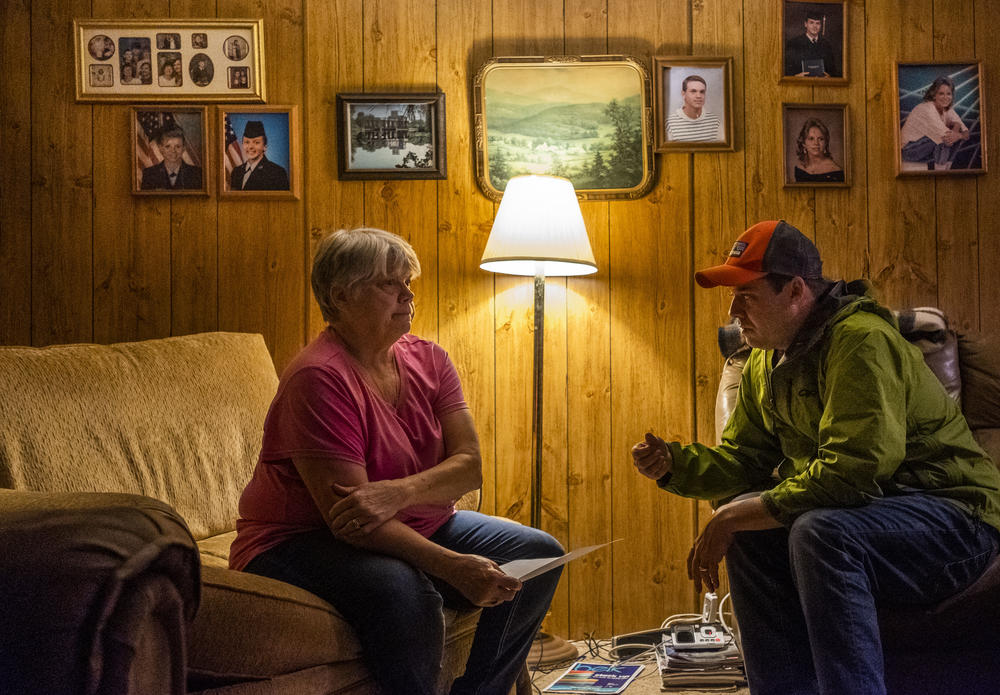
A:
391,136
941,120
586,118
175,60
170,153
692,104
816,145
814,41
260,155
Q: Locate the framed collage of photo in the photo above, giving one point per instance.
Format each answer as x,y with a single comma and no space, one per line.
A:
816,145
942,123
172,60
260,155
584,118
693,104
170,152
391,136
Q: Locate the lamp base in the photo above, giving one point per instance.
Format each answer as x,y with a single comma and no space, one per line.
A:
548,649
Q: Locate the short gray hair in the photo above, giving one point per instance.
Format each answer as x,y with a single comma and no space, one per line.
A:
349,257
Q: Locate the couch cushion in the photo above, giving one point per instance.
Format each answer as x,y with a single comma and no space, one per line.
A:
178,419
251,626
980,360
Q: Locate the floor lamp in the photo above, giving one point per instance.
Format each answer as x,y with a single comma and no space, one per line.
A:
539,231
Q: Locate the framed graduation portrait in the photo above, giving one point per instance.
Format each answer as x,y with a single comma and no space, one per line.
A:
814,41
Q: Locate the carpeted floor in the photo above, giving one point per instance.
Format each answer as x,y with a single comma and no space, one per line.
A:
647,683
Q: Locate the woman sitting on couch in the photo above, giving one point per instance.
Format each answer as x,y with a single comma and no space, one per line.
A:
367,444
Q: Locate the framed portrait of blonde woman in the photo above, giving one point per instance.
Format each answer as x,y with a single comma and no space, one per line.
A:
941,123
816,146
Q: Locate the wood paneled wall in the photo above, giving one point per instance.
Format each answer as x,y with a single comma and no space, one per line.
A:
629,349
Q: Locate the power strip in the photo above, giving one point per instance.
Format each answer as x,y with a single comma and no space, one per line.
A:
633,644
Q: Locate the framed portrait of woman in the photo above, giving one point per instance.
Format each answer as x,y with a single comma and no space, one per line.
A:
816,146
941,125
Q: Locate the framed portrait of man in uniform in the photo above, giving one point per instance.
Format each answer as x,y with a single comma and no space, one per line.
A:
169,151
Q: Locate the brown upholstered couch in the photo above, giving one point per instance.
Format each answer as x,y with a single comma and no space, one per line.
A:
950,647
176,420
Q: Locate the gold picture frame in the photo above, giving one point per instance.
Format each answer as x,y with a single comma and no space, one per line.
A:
704,84
920,151
175,60
270,136
536,115
170,150
816,145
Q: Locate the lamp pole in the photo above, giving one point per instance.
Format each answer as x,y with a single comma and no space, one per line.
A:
536,406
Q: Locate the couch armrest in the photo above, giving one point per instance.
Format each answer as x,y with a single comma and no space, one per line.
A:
97,592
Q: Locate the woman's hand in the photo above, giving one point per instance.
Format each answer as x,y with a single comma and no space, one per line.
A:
481,580
365,507
652,457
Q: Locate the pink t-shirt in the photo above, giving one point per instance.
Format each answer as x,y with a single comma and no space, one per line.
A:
325,408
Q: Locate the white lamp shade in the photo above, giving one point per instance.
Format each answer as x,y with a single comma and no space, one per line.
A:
539,230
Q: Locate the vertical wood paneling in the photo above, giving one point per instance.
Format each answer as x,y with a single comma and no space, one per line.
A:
62,181
194,239
988,187
590,457
955,199
651,368
465,216
399,55
841,213
335,56
15,181
262,243
131,234
900,210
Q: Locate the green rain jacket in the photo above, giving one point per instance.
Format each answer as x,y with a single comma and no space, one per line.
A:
852,414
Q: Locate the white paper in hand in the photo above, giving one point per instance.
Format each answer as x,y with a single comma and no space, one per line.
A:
526,569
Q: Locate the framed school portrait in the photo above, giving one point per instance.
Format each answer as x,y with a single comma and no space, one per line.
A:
814,41
815,145
693,104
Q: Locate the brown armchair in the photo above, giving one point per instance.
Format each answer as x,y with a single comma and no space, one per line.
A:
949,647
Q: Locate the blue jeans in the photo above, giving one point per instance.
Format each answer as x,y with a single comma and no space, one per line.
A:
396,609
805,597
926,150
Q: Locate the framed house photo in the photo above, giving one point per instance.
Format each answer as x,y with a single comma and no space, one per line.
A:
816,145
260,152
814,41
585,118
942,122
175,60
170,151
692,104
391,136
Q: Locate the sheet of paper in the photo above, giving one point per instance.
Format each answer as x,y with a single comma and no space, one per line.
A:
526,569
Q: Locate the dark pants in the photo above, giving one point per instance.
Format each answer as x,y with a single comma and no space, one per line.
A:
396,609
805,598
926,150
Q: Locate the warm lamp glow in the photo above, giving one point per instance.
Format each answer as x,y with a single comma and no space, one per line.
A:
539,230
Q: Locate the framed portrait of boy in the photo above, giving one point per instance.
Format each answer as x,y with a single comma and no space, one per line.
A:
941,121
693,104
260,156
169,151
815,145
814,41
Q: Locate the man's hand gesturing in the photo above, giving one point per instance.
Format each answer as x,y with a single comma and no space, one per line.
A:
652,457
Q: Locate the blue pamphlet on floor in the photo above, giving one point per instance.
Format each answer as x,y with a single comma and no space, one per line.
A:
582,677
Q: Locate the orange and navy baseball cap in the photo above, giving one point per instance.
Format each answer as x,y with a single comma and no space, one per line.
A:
773,246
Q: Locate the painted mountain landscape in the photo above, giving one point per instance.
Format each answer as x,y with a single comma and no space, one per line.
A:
582,122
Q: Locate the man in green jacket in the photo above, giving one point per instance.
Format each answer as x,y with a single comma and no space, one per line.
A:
873,486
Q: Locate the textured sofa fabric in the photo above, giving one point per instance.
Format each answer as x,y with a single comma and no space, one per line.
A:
180,420
97,592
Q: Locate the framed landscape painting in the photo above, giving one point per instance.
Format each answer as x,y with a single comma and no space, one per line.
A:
585,118
391,136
